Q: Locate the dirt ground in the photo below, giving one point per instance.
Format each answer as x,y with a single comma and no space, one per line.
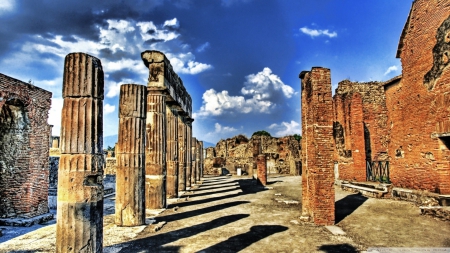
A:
233,214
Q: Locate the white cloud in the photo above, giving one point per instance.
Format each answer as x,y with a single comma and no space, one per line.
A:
220,132
6,5
263,90
172,23
286,128
264,84
203,47
107,108
314,32
391,69
186,64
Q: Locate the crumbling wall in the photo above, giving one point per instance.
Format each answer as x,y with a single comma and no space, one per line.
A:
360,127
24,147
282,155
418,105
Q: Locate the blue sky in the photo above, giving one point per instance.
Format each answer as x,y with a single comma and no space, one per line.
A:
239,59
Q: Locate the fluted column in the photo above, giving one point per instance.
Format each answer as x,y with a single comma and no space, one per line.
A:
155,150
130,155
194,161
188,152
172,152
79,225
181,154
200,157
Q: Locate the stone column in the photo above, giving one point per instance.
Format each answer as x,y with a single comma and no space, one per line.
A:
172,152
130,155
200,157
79,225
261,164
194,161
188,152
181,154
155,151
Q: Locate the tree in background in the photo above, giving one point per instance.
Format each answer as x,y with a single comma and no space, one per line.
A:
261,133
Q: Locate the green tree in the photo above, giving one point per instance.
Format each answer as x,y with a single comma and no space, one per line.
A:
262,132
297,137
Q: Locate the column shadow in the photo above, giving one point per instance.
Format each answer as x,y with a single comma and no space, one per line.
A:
211,192
184,215
338,248
155,243
242,241
347,206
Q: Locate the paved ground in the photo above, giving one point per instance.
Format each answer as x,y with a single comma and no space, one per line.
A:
232,214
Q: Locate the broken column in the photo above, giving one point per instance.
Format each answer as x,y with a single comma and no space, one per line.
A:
130,155
172,152
181,154
79,225
317,147
261,165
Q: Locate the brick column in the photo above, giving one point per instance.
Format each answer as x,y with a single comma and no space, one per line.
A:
256,151
262,169
172,152
155,151
188,152
318,197
181,154
130,155
79,225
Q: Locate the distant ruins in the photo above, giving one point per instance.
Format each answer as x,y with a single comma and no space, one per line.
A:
282,155
24,142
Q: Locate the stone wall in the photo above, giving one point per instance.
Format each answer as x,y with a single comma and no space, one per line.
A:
24,146
282,155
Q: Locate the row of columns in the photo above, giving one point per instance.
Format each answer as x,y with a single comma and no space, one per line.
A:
156,155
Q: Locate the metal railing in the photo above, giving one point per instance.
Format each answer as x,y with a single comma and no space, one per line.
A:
377,171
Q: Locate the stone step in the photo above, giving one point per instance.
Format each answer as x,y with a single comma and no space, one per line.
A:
364,190
441,212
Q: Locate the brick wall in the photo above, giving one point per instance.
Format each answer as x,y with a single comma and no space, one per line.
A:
24,147
360,127
418,105
318,195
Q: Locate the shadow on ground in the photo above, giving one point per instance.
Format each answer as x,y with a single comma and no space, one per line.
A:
338,248
242,241
155,243
347,206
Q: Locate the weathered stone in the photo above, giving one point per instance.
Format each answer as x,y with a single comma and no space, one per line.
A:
155,151
24,149
130,175
182,129
80,190
172,152
189,152
194,160
318,195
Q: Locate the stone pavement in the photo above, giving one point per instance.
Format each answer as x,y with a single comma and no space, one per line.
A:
233,214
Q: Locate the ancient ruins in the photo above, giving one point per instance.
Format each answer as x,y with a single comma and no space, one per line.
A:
317,147
239,152
394,135
24,141
80,189
398,131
